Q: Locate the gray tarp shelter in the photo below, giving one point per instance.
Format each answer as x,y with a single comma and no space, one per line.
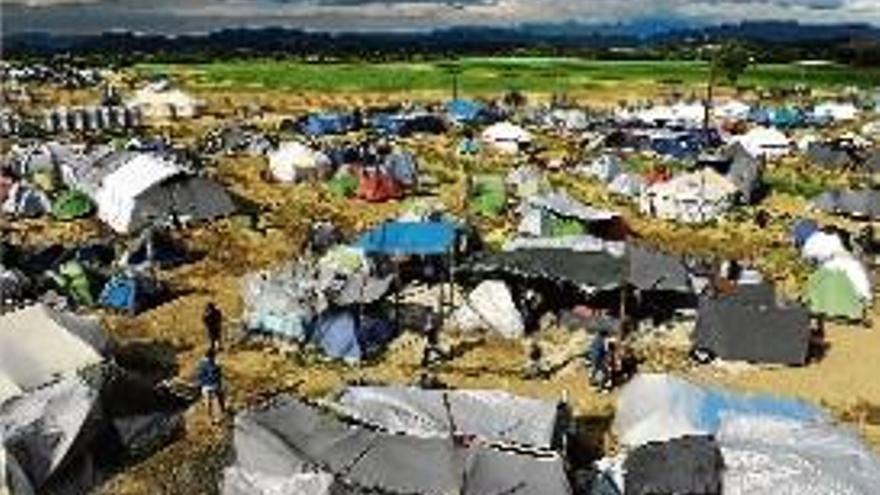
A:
753,327
864,203
495,417
287,438
686,465
651,270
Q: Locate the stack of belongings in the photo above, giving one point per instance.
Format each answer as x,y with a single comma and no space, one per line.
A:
321,303
753,324
66,413
697,197
399,440
840,287
679,437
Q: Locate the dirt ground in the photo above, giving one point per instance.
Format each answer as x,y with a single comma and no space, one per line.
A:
170,337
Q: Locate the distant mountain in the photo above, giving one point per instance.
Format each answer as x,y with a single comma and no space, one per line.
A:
647,33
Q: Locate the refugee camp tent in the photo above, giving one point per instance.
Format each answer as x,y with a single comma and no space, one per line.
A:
766,442
802,229
490,306
286,438
627,185
744,171
605,168
734,328
556,213
526,181
160,100
148,188
293,161
731,110
832,293
403,167
492,416
376,184
822,246
410,238
25,201
463,111
488,196
38,343
660,407
651,270
350,337
697,197
690,464
321,124
71,204
829,157
860,204
507,137
765,142
588,272
128,292
837,112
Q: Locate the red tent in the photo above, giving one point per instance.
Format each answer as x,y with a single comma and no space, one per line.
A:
378,186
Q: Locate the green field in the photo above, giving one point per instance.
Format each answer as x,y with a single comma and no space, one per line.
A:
484,75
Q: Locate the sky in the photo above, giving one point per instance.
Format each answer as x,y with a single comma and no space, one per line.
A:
183,16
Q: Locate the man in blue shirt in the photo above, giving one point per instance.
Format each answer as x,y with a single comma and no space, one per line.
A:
210,381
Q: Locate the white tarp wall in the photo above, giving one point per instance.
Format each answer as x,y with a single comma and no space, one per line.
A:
117,198
490,306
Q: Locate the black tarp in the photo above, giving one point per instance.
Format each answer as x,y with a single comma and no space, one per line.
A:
683,466
751,325
589,272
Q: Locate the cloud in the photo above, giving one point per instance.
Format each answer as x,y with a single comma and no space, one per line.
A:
203,15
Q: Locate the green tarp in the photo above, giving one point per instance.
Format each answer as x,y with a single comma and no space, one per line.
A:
344,185
831,293
560,227
489,196
70,205
75,280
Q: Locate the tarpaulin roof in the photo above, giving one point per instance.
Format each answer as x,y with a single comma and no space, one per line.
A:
289,437
409,238
653,270
493,416
588,271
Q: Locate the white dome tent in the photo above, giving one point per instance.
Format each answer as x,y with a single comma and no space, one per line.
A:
158,100
506,137
294,162
765,141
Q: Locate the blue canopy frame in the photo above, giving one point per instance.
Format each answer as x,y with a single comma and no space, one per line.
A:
410,238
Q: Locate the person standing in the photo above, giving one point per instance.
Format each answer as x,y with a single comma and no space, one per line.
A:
213,321
210,381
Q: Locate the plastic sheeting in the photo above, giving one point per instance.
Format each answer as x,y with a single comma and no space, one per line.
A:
490,306
579,243
492,416
785,457
657,408
821,246
405,238
856,273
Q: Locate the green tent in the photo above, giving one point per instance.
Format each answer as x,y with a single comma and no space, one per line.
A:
70,205
560,226
489,196
831,293
76,281
343,184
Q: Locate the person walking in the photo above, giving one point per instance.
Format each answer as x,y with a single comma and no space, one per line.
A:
209,376
213,321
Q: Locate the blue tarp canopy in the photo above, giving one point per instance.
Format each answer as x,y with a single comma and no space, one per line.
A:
409,238
802,229
319,124
464,111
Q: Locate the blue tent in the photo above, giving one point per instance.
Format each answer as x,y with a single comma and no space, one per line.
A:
802,229
126,293
320,124
389,124
402,166
340,337
409,238
678,146
464,111
468,146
